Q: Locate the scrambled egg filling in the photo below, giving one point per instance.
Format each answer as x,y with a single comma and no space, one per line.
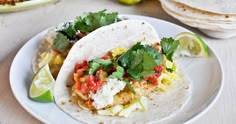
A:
54,60
118,51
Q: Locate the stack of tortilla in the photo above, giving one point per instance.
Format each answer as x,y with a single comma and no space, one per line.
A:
216,18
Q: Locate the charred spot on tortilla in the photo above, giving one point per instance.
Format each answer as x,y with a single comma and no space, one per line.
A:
63,102
180,106
68,85
187,87
80,46
226,16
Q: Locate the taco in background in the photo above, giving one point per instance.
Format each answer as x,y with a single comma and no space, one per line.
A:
58,41
121,74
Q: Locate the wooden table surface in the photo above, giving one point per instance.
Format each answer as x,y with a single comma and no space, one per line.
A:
17,28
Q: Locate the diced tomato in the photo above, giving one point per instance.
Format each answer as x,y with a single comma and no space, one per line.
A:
91,84
78,85
84,88
80,72
75,77
84,64
106,57
153,79
158,70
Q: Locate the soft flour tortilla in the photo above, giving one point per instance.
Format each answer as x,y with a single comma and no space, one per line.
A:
198,14
199,23
44,46
215,6
98,43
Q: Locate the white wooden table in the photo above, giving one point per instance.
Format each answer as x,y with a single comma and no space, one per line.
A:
17,28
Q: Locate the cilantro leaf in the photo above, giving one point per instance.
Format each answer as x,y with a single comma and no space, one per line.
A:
91,21
136,71
154,53
169,70
95,64
61,42
126,58
103,62
140,60
88,22
69,31
118,73
168,47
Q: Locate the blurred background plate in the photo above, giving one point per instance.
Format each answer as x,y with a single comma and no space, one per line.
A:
20,5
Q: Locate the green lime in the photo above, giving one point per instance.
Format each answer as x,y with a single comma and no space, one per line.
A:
191,45
129,2
41,88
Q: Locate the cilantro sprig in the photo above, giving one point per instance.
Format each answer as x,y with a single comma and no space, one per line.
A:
168,47
95,64
85,23
91,21
140,60
61,43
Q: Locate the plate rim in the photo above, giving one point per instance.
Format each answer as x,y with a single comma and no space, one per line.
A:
190,120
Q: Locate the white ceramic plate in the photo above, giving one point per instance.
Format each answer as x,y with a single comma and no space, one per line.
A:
205,73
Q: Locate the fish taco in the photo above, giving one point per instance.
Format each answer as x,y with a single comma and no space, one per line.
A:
58,41
122,73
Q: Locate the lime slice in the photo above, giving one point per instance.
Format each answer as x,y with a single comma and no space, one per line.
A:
191,45
129,2
41,88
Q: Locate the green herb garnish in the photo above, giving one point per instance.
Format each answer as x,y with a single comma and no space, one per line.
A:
140,60
95,64
118,73
169,70
91,21
61,43
129,86
85,23
168,47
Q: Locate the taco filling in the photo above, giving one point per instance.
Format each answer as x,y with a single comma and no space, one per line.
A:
122,76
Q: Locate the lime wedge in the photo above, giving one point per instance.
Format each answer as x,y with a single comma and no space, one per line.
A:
129,2
191,45
41,88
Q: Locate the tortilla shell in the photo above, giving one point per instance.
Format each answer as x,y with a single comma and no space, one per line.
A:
98,43
44,46
215,6
199,23
198,14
